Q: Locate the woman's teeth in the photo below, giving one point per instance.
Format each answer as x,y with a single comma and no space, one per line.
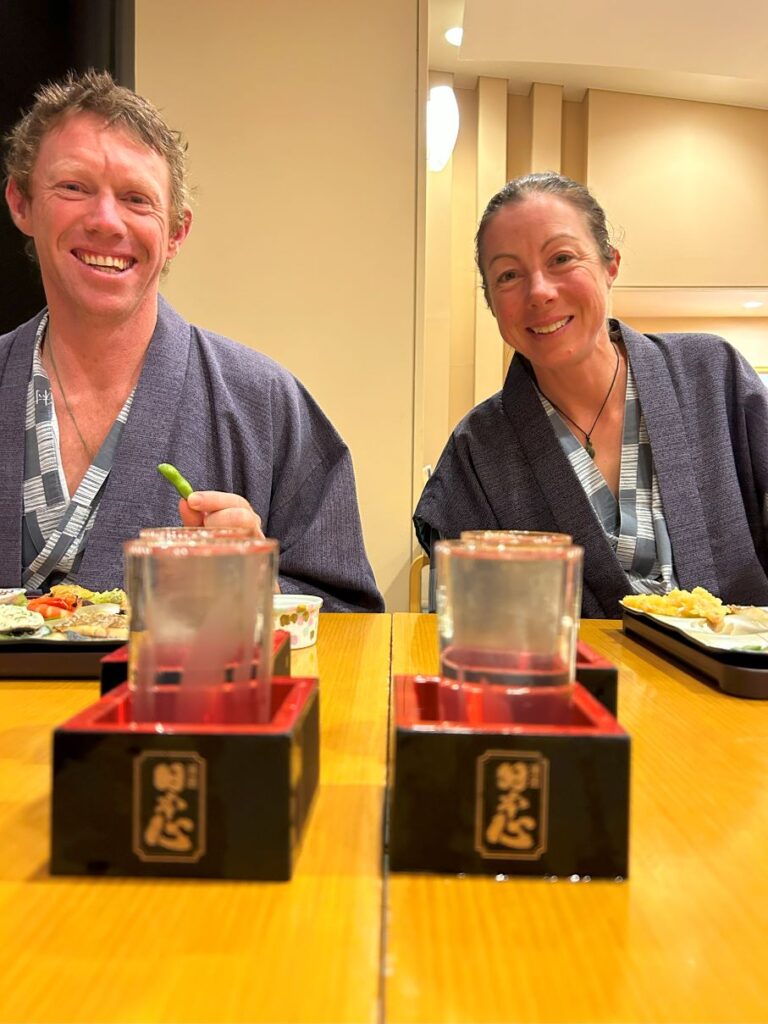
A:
550,328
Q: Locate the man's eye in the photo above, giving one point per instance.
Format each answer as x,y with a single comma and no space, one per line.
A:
136,199
71,186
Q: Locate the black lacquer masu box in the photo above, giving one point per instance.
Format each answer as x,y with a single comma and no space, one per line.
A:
183,800
533,797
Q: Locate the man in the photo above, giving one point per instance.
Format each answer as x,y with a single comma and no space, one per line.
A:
109,381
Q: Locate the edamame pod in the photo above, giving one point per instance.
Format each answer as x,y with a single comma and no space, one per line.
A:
173,476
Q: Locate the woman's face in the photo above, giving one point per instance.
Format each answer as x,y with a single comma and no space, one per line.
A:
547,284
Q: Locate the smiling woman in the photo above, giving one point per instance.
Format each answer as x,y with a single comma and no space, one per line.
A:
622,440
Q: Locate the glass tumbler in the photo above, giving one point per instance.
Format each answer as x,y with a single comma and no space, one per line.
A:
201,628
508,618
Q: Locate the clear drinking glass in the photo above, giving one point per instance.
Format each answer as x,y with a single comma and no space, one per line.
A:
517,537
508,618
201,628
192,534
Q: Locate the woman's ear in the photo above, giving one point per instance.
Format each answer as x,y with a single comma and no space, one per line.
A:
613,267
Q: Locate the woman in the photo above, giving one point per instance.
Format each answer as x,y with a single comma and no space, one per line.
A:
651,450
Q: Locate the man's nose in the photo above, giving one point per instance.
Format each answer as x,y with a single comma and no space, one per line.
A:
105,214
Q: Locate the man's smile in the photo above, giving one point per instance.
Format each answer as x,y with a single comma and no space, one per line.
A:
109,264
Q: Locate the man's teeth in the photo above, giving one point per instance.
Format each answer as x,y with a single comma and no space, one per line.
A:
110,262
550,328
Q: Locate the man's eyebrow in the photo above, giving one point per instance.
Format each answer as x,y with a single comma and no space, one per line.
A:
554,238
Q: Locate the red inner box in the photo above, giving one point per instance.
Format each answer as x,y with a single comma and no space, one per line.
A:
435,703
586,657
113,713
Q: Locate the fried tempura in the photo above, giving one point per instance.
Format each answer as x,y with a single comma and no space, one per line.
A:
698,603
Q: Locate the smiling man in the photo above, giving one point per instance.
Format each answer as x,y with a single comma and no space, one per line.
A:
108,380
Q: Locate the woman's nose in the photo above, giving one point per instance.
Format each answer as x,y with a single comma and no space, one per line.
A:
541,288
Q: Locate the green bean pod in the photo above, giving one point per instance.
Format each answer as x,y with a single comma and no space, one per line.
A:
173,476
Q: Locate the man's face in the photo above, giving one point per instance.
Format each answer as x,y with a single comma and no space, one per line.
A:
99,214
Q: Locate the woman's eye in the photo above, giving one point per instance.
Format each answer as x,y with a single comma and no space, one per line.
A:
71,186
562,257
506,275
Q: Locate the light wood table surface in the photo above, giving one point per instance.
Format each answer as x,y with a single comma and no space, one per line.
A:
683,940
151,950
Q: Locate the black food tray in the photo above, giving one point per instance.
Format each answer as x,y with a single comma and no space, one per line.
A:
54,659
735,672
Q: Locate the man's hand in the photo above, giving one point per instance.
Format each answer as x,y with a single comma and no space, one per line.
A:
217,508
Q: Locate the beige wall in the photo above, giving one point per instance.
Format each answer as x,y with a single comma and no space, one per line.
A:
747,334
302,124
685,186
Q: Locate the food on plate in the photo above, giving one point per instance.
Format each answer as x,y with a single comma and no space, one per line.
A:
65,609
743,619
696,603
53,607
15,621
174,477
81,595
95,620
72,591
116,596
13,595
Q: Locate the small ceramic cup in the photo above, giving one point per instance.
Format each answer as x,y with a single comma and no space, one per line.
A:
299,615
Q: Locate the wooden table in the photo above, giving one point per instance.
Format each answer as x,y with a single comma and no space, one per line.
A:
683,940
139,950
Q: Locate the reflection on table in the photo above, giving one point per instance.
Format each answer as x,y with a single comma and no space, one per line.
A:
128,950
683,940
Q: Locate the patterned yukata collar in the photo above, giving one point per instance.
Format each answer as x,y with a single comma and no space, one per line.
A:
634,523
54,525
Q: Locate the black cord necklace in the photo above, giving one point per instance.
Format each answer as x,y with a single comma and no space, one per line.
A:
588,446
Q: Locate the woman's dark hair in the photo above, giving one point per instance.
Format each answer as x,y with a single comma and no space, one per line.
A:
547,183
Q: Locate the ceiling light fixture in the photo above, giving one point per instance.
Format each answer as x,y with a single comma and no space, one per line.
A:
442,126
752,304
454,35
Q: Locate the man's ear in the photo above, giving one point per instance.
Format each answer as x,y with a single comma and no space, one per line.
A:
19,206
177,239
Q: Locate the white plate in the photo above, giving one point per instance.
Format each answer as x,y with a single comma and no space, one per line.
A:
9,594
698,630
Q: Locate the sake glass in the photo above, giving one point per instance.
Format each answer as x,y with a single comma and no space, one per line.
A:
201,628
508,619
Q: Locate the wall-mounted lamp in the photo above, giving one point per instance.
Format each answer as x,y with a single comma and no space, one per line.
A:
752,304
454,35
442,126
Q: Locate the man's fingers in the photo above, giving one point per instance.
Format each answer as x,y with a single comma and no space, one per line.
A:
216,501
244,518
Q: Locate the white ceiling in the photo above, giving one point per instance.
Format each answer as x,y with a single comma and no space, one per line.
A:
687,49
